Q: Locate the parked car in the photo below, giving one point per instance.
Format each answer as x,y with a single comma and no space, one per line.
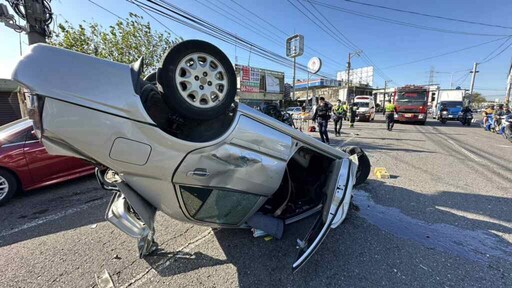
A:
188,150
25,164
294,111
366,110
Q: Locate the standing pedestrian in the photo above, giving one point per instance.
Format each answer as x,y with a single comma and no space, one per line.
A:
353,113
337,112
322,116
345,112
390,114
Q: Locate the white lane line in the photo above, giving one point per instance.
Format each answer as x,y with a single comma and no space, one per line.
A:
465,151
473,156
348,140
144,276
53,217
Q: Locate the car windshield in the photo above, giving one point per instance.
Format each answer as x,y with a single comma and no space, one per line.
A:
363,104
414,96
452,104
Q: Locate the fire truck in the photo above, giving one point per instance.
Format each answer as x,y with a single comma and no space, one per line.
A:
411,103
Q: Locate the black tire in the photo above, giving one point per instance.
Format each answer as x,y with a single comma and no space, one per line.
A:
171,90
443,121
12,184
363,170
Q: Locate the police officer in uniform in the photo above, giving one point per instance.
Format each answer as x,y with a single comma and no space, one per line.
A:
390,114
322,116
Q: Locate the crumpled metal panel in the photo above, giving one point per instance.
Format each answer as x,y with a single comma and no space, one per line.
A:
234,168
253,161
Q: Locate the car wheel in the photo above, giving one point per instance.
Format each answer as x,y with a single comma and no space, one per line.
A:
8,186
198,80
364,167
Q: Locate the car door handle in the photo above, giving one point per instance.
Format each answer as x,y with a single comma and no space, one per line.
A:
199,172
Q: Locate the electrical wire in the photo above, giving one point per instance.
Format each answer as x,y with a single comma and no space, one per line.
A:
428,15
493,51
402,23
345,42
444,54
281,31
277,40
188,19
367,58
498,54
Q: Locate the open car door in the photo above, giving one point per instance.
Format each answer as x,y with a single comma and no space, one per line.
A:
335,207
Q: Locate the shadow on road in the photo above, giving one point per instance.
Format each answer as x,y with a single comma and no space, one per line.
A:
363,253
51,210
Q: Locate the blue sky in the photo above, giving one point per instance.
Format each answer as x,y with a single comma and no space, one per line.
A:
386,44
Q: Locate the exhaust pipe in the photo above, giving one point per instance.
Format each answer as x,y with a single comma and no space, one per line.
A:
133,215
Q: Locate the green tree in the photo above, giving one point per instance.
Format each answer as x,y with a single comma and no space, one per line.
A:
125,41
477,99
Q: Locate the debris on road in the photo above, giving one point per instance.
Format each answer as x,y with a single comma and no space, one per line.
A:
381,173
104,280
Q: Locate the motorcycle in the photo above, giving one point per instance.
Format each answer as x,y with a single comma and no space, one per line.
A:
507,128
465,118
273,111
178,142
444,117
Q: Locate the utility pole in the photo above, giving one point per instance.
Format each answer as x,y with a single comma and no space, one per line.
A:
294,63
350,54
474,71
384,96
509,86
431,76
36,21
37,15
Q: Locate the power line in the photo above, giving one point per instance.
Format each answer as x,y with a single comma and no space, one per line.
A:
428,15
188,19
493,51
154,18
105,9
444,54
402,23
499,53
281,31
347,44
365,55
279,41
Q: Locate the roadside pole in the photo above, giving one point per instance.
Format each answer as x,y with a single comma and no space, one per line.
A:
509,86
348,80
37,15
294,63
474,71
384,97
349,66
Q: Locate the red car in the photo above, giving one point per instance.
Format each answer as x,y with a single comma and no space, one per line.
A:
25,164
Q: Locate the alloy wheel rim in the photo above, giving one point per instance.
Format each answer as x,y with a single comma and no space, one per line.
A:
201,80
4,187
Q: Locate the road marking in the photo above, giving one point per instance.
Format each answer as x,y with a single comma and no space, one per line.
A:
348,140
144,276
53,217
473,156
464,151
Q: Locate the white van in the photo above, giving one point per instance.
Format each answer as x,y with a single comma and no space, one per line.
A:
366,111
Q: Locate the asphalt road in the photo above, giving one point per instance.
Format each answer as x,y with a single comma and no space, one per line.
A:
443,219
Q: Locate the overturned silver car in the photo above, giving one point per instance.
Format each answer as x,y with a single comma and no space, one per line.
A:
178,142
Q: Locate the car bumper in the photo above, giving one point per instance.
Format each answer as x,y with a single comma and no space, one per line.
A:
410,117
